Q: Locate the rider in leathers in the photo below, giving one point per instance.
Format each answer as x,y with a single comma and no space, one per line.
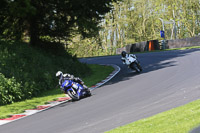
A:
125,56
62,77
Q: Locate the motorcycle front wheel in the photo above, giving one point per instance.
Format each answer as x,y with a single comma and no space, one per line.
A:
73,95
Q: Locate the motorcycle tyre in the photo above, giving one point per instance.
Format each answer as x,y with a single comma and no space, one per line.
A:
88,93
135,67
139,66
73,97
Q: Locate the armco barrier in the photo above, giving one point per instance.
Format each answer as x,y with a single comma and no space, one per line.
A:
140,47
156,45
186,42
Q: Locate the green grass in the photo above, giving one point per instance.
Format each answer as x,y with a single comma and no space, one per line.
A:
27,71
178,120
19,107
98,73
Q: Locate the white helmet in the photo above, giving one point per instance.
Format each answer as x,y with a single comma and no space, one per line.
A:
59,74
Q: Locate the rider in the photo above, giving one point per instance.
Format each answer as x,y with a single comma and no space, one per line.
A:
125,55
62,78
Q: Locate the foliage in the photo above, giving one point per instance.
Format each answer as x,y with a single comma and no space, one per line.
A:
29,71
85,47
138,20
10,90
133,21
58,19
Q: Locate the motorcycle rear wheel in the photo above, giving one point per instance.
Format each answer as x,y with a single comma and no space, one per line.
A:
88,93
135,67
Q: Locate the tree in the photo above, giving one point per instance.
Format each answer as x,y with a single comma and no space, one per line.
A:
13,17
56,20
132,21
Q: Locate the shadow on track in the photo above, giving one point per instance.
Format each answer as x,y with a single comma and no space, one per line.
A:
151,62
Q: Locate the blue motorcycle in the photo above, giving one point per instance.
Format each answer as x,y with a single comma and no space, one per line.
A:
75,90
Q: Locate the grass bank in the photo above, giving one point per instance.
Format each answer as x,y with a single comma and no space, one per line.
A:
27,71
98,73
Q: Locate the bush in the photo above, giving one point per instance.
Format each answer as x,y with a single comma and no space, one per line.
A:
10,90
32,70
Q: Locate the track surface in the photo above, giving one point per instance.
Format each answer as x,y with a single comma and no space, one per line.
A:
169,79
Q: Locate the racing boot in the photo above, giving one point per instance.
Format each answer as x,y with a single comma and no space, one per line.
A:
88,92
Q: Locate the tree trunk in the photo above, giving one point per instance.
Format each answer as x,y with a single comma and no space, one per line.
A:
34,37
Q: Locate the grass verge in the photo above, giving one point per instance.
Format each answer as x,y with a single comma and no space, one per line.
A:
98,73
178,120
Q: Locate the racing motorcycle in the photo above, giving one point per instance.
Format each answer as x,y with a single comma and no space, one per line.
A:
133,63
75,90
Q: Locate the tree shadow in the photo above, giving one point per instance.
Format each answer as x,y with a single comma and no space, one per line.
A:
151,62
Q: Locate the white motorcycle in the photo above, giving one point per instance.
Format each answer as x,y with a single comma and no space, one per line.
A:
133,63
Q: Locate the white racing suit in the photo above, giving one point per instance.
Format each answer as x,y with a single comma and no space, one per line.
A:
128,55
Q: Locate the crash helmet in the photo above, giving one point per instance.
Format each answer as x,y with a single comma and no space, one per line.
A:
59,74
123,54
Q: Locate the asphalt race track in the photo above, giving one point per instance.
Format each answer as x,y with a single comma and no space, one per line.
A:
169,79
